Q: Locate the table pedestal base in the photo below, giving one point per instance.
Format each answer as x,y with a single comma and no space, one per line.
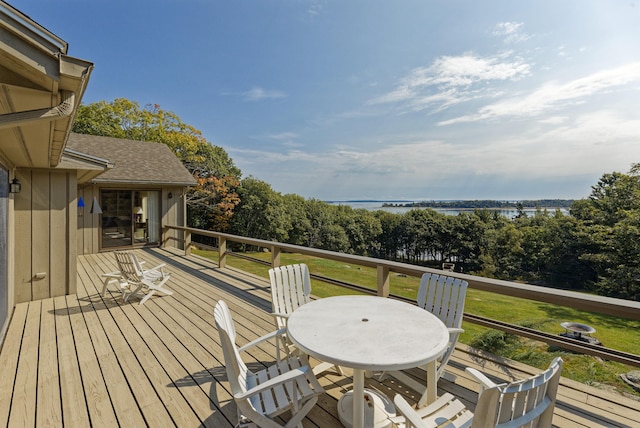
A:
378,409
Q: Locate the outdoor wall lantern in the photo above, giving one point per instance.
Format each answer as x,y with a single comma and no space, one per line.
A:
15,186
95,207
170,195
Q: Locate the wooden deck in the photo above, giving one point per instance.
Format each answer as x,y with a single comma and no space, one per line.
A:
81,361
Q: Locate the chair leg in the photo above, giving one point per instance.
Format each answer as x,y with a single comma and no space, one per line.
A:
163,290
132,293
146,297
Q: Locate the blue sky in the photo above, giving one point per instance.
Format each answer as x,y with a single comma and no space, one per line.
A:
378,99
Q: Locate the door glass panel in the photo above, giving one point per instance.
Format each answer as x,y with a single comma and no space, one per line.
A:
146,211
116,218
153,217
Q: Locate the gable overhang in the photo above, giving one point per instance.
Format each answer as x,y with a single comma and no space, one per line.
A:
86,166
40,90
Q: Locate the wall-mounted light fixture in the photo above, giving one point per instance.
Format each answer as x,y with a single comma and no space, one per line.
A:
95,207
170,195
15,186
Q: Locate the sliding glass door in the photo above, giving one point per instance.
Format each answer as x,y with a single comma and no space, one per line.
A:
130,218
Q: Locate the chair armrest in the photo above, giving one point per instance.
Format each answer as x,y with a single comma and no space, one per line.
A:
278,315
455,330
112,275
268,336
159,267
408,412
280,379
483,381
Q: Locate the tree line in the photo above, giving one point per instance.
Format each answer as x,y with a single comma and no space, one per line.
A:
595,247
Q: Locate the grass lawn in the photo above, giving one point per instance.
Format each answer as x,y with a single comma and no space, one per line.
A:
615,333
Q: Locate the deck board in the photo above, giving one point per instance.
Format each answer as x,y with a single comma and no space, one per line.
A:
23,407
88,360
48,398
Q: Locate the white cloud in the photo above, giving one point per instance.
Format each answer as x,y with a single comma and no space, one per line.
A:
283,136
259,94
511,32
553,96
453,79
315,8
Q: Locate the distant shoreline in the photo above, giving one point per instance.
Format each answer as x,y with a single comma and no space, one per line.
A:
466,204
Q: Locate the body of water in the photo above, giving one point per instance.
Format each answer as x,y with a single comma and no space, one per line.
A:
377,205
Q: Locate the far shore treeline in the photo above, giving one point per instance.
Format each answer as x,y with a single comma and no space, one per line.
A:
485,204
591,244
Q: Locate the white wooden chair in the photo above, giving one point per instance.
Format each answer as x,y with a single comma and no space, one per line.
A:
525,403
145,281
260,397
290,289
444,297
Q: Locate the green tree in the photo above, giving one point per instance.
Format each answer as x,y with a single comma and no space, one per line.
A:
610,220
324,232
362,228
296,208
390,237
468,241
261,212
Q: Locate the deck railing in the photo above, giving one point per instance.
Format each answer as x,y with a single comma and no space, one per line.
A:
587,302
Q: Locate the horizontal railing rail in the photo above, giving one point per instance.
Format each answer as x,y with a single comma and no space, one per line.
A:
571,299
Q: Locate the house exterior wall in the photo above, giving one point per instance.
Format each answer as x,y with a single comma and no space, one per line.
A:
6,251
172,212
44,226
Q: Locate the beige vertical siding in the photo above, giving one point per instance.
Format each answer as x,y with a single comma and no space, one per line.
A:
22,216
40,237
45,265
88,239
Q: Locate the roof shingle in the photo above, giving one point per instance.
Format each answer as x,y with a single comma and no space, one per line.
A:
135,162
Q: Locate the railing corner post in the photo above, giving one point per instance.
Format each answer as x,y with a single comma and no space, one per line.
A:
222,252
187,242
383,281
275,256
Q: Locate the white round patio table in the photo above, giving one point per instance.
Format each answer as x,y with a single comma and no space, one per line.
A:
369,333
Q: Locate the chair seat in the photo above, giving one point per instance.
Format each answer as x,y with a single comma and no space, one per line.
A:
447,408
523,403
276,401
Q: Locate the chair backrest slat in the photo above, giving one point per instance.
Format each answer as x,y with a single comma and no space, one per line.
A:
127,267
290,289
237,371
444,297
